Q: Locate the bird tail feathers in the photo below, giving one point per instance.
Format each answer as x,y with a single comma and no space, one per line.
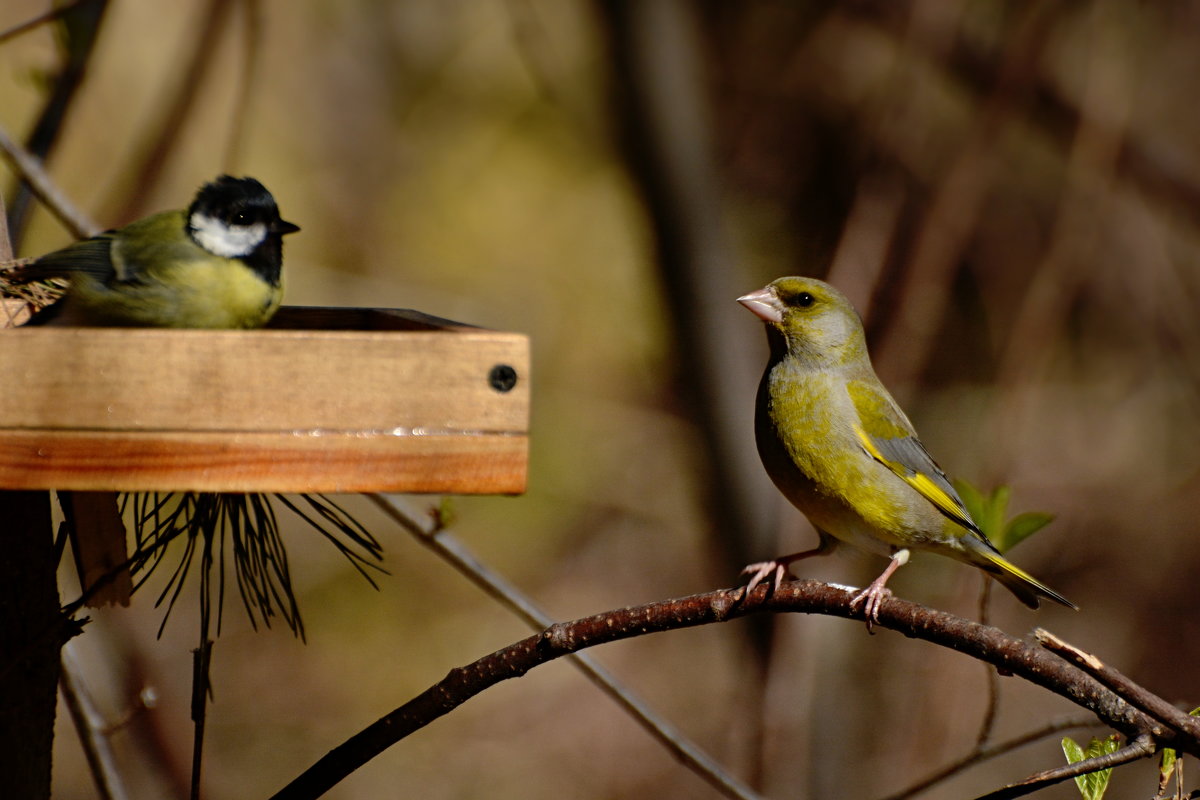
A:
1028,589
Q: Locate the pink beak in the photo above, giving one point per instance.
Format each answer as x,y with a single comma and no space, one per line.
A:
764,304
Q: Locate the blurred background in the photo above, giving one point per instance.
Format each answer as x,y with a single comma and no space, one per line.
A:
1009,192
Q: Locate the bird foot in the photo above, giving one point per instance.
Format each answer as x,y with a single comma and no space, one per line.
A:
769,572
777,568
870,599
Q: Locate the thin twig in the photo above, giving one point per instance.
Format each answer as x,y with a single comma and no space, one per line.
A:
44,188
1139,748
78,33
204,40
1066,268
92,730
983,752
65,626
1138,696
201,664
954,210
868,236
661,105
426,531
251,49
34,22
6,250
988,725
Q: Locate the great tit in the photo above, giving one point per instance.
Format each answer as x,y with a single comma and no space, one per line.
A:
216,264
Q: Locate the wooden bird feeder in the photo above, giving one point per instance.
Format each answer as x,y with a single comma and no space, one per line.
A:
324,400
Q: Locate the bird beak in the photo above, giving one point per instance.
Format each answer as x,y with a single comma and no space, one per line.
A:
764,304
282,226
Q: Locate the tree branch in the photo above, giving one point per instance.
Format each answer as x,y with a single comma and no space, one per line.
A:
430,533
176,110
30,169
988,644
1141,747
1141,698
983,751
94,734
34,22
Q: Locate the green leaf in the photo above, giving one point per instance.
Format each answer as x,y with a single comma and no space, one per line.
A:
972,498
1022,526
1166,766
998,511
990,513
1072,750
986,509
1167,759
1093,785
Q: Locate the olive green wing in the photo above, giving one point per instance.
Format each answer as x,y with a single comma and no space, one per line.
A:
89,256
888,437
153,248
130,255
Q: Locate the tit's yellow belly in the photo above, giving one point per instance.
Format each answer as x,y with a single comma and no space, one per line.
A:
219,293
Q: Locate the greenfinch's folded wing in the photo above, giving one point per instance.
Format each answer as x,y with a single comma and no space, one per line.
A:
888,437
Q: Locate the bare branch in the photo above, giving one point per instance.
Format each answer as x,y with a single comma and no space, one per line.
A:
1009,654
32,172
182,100
1138,696
429,533
983,752
92,730
953,212
6,250
35,22
988,724
252,45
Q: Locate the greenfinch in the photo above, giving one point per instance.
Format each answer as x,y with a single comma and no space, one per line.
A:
841,450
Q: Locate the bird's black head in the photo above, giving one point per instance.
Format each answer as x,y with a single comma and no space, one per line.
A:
237,218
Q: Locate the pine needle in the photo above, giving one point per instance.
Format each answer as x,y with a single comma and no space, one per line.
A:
242,528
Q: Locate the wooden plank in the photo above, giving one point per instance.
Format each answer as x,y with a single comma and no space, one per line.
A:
331,400
245,462
277,380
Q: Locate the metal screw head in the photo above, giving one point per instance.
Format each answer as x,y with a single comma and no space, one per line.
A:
502,378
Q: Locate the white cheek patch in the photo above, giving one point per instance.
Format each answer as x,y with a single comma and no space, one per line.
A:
227,241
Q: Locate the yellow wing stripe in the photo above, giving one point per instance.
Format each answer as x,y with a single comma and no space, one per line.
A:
919,481
870,447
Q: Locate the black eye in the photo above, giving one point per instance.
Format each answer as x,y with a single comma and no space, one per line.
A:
240,218
804,300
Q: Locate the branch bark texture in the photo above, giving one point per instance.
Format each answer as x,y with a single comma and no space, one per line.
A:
1010,655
